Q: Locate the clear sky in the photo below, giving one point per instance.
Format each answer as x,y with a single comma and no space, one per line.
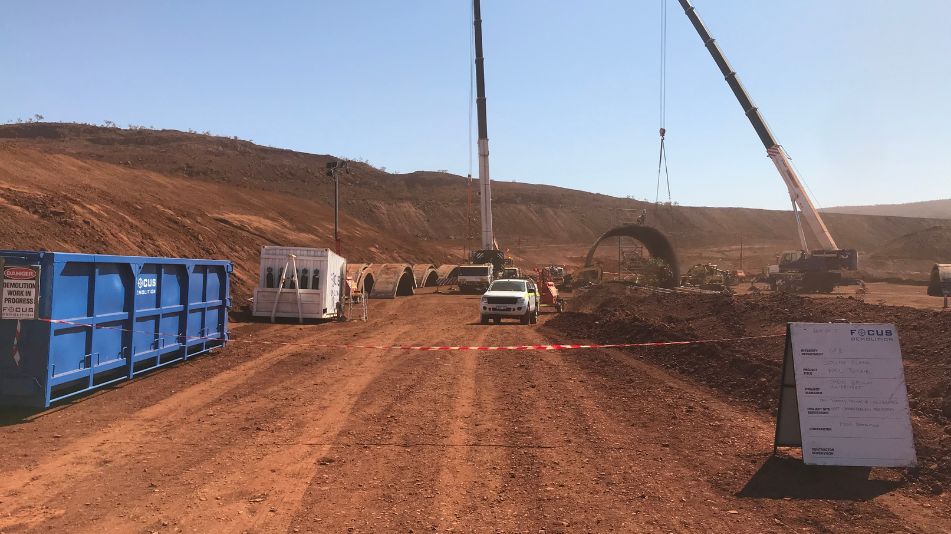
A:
858,91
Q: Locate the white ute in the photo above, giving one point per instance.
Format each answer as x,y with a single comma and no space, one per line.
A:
510,298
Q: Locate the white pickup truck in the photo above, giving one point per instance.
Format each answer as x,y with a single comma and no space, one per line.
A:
510,298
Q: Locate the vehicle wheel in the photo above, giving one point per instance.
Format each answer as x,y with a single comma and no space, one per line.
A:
497,320
527,318
484,319
534,319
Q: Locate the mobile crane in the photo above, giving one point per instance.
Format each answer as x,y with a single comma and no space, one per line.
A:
489,253
818,270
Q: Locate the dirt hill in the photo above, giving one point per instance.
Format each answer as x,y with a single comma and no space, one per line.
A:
94,189
935,209
919,245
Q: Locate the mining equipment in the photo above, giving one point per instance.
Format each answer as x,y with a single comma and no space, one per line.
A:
548,289
805,270
940,283
710,277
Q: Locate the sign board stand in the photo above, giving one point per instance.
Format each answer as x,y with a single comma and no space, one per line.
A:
788,433
842,397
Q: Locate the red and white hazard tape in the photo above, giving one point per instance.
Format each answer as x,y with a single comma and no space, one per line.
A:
16,344
434,347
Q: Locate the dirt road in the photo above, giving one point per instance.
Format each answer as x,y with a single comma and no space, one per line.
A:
275,438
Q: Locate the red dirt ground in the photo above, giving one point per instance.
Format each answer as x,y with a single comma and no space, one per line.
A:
749,371
267,438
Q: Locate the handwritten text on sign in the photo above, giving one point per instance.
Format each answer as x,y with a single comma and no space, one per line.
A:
853,403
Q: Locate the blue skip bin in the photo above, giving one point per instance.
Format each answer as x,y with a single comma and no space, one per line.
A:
70,323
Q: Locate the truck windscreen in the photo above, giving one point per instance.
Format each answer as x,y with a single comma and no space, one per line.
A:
507,285
473,271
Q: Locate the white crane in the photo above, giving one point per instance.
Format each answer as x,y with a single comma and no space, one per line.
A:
801,202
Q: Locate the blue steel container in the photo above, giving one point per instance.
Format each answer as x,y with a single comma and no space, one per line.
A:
103,319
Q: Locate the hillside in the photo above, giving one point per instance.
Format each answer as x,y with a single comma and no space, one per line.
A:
935,209
87,188
919,245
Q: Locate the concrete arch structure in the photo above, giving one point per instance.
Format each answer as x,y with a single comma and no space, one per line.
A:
446,274
391,280
363,279
653,240
425,275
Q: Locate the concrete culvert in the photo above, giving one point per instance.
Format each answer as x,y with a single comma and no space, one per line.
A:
368,283
653,240
446,274
391,280
361,276
406,285
425,274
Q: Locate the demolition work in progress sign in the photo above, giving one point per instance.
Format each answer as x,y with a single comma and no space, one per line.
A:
19,292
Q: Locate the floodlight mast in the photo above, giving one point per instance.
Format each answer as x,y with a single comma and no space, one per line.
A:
797,193
485,183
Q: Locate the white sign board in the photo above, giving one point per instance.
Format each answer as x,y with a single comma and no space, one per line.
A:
851,394
19,293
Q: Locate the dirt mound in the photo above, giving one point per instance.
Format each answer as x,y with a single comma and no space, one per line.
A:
931,244
749,370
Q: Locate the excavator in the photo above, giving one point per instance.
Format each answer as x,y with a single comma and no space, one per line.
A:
805,270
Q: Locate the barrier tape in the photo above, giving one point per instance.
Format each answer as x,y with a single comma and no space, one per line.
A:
550,347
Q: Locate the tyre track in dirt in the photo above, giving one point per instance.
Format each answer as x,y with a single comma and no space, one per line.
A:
291,438
714,454
399,456
69,463
274,472
171,436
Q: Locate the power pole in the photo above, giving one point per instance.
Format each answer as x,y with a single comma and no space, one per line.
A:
333,169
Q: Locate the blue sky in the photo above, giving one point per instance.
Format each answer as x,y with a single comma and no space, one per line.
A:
856,90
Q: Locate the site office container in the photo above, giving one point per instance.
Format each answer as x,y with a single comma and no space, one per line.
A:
321,273
100,319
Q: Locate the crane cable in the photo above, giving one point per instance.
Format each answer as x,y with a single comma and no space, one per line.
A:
662,157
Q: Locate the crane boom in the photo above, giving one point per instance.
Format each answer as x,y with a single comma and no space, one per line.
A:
797,193
485,183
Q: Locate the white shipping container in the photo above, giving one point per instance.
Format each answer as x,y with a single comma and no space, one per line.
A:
322,275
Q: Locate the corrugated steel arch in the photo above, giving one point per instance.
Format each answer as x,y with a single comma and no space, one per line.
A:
656,243
392,280
425,274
